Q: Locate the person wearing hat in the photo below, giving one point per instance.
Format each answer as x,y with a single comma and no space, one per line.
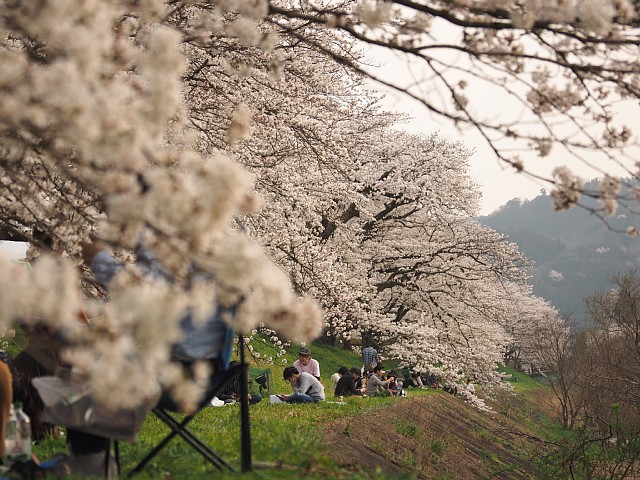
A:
306,364
376,387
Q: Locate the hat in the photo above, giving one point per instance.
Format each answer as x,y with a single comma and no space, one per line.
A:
304,351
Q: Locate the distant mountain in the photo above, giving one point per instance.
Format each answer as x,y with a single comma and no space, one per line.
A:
574,252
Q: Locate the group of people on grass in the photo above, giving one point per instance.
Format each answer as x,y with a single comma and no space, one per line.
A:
304,377
374,383
369,380
418,380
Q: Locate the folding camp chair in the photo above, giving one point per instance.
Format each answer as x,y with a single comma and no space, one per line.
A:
105,268
168,413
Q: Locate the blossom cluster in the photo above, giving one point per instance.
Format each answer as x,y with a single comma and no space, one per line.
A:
568,189
95,143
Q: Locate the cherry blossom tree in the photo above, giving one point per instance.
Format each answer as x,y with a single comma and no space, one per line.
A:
563,71
336,207
94,143
304,118
439,276
163,125
530,316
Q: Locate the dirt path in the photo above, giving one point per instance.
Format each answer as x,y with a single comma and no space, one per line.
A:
431,436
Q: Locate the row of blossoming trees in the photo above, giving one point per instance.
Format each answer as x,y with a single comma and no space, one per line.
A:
166,124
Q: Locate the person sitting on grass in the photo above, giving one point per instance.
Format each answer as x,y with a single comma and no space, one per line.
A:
335,378
231,392
451,388
346,384
201,341
394,386
470,388
306,387
413,379
432,381
376,386
359,379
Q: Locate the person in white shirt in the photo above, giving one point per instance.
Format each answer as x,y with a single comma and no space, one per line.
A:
470,387
335,378
306,364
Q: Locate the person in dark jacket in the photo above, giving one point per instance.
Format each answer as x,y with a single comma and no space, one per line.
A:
360,381
231,392
346,384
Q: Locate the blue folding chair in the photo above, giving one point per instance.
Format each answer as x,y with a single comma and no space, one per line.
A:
167,411
104,268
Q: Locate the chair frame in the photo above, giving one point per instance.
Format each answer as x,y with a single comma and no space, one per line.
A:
179,428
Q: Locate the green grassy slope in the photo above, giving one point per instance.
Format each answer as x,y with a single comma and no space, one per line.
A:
311,441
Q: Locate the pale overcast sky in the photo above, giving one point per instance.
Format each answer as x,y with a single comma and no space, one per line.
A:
499,183
16,250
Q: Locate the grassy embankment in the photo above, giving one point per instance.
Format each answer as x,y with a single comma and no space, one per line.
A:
427,435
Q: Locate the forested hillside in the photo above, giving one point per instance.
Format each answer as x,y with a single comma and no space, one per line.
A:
575,252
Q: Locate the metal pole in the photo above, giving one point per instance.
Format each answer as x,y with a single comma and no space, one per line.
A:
245,433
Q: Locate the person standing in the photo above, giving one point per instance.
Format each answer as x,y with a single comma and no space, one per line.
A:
306,364
370,358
